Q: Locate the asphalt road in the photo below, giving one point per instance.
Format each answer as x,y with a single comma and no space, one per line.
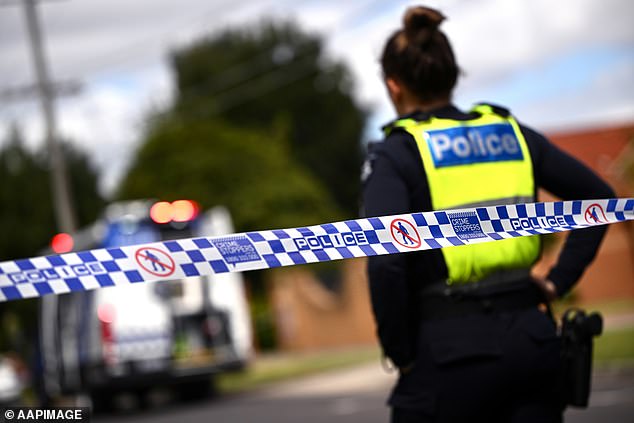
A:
346,396
611,400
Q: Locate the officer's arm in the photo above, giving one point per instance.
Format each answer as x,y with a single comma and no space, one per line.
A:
569,179
386,193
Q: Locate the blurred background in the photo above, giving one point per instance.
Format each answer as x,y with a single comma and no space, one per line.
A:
264,108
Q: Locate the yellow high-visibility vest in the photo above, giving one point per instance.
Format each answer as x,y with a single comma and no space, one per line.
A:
478,162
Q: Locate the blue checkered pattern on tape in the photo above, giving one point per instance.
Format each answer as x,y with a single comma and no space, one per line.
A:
177,259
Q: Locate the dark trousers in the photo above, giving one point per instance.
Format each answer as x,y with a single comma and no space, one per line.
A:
499,367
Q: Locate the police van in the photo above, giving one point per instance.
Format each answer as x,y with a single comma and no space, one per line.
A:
136,336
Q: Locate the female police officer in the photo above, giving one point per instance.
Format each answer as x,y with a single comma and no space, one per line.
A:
463,324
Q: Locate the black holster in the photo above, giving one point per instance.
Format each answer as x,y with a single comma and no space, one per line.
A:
577,332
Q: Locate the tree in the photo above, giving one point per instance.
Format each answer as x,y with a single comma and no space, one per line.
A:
27,221
252,77
248,171
263,124
214,163
26,217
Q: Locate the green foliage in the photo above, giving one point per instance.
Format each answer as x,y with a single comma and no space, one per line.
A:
252,77
248,171
263,124
28,222
27,217
263,323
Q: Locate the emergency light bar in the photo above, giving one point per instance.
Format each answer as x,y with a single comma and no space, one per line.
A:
177,211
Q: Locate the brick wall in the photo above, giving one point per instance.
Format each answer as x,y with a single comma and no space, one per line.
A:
310,316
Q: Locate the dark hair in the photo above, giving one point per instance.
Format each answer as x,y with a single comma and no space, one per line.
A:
420,57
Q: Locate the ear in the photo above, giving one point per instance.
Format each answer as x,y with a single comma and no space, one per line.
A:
394,89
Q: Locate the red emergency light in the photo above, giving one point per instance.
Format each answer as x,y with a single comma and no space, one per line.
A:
106,313
177,211
62,243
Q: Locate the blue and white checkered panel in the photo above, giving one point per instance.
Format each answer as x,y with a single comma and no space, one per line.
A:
56,274
193,256
624,211
311,244
279,249
120,266
266,249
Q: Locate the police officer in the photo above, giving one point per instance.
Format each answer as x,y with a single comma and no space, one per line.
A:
463,325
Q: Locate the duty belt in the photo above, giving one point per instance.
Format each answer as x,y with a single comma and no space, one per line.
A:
490,295
497,282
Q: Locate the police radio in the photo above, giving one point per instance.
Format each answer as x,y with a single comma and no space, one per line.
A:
577,332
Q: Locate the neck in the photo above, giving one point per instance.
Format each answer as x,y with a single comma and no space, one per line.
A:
423,106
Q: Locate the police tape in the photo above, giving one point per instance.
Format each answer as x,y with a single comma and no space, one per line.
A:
175,259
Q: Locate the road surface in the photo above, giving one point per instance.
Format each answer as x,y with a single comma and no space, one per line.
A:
345,396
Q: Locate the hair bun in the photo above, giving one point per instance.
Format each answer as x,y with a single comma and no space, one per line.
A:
420,23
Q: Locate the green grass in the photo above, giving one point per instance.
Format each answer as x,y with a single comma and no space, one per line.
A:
615,347
279,367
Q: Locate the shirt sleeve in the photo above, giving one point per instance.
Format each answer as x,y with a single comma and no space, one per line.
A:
385,193
569,179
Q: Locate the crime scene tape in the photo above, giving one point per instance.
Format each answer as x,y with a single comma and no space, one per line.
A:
175,259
